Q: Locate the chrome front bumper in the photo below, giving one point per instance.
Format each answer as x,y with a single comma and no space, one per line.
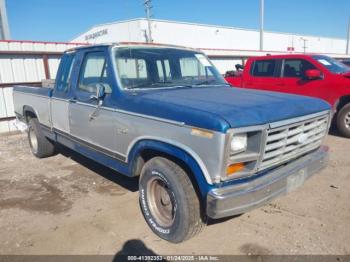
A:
239,198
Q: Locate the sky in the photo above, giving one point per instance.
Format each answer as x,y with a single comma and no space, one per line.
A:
63,20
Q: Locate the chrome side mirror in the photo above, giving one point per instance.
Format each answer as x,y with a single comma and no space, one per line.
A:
100,92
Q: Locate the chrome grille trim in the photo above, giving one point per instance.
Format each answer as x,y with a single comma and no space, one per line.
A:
294,139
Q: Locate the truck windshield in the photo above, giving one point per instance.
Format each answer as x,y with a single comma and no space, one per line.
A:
331,64
148,68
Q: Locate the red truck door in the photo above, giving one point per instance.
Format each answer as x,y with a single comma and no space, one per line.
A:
263,74
293,79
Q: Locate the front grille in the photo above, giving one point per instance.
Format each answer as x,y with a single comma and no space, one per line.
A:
293,140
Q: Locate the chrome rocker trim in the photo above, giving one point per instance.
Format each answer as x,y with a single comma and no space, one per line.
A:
240,198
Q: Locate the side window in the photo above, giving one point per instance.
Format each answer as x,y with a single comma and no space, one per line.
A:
296,67
66,69
264,68
132,71
163,68
93,71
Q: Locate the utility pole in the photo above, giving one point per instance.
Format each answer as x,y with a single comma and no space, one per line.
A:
304,46
4,25
348,39
148,10
262,25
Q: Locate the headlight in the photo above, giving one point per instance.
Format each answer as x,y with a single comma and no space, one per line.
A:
239,143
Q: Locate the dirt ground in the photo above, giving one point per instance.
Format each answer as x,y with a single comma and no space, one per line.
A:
68,204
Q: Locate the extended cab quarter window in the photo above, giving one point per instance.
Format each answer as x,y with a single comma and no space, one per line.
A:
93,71
264,68
163,68
65,73
296,67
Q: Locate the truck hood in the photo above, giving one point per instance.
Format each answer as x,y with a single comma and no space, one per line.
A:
220,108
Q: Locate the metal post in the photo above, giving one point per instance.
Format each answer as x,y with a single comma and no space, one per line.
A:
262,25
304,46
348,39
46,66
4,26
148,10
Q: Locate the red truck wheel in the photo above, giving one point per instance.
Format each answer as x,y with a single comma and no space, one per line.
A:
343,121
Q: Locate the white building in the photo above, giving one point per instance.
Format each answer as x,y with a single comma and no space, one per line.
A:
226,46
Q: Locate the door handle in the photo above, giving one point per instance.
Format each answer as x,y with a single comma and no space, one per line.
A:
94,114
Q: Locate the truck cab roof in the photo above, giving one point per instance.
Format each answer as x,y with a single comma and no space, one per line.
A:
131,45
282,56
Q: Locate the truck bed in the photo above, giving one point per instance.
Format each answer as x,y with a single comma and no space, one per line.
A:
38,98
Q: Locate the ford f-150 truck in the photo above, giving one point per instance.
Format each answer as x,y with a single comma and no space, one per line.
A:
200,148
310,75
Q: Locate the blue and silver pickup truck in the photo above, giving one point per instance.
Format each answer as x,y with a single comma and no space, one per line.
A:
200,147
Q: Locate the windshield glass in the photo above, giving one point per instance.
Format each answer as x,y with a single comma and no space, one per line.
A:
149,67
331,64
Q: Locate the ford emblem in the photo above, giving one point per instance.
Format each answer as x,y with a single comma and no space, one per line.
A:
302,138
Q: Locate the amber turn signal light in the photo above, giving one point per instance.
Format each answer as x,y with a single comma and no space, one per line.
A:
234,168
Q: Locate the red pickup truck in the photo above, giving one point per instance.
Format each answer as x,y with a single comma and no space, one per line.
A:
309,75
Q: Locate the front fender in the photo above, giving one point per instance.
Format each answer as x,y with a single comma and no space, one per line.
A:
176,152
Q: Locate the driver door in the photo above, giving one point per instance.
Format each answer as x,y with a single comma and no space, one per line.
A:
294,81
91,125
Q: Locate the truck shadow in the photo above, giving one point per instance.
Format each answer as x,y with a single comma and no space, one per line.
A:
129,183
135,247
211,221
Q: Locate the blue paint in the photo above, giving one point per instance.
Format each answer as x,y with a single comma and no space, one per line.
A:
42,91
220,108
176,152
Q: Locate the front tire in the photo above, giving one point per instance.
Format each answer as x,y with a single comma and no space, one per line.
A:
39,145
343,121
168,201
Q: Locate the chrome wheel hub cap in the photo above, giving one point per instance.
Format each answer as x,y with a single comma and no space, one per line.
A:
347,120
160,202
33,140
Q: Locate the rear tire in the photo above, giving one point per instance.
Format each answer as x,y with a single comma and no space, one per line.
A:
168,201
39,145
343,121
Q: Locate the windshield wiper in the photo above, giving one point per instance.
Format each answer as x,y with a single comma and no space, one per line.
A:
207,82
162,84
159,84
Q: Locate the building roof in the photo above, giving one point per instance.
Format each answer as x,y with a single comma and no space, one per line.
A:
207,25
